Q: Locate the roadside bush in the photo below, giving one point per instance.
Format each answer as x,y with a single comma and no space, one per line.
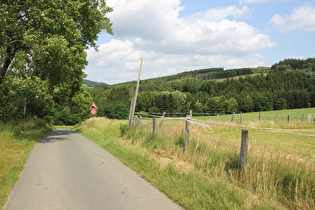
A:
123,129
13,93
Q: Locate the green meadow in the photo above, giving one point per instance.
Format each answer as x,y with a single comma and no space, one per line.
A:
279,173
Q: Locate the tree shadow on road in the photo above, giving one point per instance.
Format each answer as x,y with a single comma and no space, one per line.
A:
56,136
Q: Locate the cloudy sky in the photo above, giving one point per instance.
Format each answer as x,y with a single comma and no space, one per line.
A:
173,36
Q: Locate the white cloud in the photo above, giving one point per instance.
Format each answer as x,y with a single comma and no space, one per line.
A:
302,18
120,66
254,1
217,14
171,44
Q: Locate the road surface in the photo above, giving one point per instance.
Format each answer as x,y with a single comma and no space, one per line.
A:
67,171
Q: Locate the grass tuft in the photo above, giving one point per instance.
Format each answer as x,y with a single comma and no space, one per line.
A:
16,142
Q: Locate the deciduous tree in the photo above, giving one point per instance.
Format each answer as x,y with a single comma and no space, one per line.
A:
47,38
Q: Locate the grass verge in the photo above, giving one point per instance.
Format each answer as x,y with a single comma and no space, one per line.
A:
206,176
67,127
16,143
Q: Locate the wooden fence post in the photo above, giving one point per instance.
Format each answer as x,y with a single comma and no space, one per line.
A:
138,122
303,118
190,114
244,149
259,116
154,128
241,118
233,117
276,117
186,134
218,117
288,118
162,118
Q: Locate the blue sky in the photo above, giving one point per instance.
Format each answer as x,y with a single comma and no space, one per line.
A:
174,36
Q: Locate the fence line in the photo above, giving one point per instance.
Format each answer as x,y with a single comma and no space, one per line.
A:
229,125
236,125
310,118
202,125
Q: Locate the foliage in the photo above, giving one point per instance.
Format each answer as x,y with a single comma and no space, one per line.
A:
231,106
262,103
47,38
123,129
154,110
293,63
112,103
177,94
13,93
77,111
246,104
280,104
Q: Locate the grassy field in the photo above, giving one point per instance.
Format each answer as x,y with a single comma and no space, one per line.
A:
279,173
282,116
16,143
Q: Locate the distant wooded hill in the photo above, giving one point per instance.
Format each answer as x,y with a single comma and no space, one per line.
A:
288,84
90,83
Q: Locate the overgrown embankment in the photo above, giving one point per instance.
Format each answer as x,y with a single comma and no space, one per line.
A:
16,142
206,176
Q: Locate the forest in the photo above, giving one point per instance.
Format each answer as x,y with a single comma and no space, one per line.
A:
288,84
285,85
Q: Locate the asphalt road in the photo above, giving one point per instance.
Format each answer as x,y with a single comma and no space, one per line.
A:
67,171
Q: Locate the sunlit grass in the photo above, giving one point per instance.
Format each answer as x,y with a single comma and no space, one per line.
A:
67,127
276,116
279,174
16,142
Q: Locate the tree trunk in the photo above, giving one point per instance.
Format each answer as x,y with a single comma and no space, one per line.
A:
7,62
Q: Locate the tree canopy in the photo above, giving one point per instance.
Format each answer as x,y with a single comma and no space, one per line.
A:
42,55
47,38
261,89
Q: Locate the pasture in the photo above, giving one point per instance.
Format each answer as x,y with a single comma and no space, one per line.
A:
279,173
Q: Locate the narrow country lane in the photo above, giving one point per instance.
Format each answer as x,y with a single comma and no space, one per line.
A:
67,171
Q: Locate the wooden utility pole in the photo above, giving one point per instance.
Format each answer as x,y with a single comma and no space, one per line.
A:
130,111
137,89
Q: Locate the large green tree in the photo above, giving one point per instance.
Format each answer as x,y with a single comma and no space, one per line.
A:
47,38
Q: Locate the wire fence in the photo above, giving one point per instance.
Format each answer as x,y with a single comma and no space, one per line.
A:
230,121
240,117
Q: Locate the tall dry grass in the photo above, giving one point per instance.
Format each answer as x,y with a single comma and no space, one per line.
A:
16,141
280,176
